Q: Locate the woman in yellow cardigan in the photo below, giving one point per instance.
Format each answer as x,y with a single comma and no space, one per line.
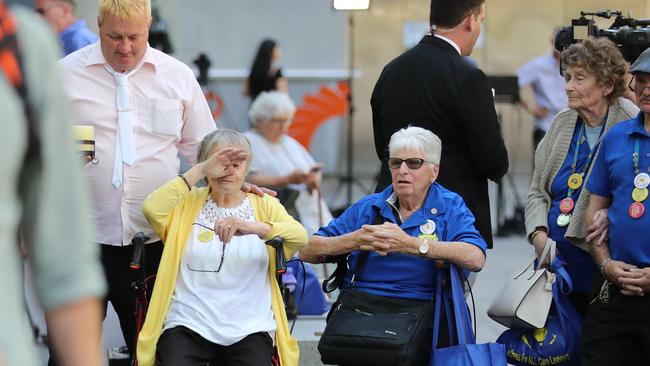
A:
216,299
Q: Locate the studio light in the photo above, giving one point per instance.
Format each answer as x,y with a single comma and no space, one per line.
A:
351,4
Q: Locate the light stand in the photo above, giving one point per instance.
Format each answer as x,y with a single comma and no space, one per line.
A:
348,179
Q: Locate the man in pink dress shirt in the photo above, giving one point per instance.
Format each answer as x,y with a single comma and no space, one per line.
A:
139,131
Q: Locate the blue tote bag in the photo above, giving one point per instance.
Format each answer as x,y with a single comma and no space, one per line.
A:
466,352
558,343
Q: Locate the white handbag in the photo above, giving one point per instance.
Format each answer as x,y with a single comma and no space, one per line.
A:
525,299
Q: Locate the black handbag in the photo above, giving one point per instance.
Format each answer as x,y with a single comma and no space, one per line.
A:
366,329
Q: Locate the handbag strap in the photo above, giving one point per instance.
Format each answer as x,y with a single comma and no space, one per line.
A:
362,259
462,327
549,250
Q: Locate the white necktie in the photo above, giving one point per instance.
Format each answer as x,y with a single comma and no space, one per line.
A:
124,140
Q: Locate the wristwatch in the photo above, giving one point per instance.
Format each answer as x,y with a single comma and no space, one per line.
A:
423,249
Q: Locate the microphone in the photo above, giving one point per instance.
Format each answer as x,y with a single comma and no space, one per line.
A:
280,261
138,248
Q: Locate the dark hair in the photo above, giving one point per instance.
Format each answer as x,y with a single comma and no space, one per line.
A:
600,57
449,13
258,78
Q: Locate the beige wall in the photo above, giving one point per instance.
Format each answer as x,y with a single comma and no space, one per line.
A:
515,31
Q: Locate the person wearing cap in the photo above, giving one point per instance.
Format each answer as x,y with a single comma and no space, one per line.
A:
617,327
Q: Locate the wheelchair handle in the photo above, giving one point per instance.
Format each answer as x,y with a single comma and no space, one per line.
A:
280,261
138,248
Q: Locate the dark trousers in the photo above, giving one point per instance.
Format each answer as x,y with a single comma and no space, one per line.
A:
116,261
120,276
181,346
616,331
538,135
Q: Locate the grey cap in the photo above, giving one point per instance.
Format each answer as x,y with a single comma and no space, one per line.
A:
642,63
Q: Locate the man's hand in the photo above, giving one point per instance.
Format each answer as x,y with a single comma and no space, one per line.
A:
621,273
260,191
638,284
539,112
599,230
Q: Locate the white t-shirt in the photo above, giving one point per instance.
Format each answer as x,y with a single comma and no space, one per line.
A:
222,307
283,158
543,75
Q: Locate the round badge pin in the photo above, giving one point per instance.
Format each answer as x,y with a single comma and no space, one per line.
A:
639,195
428,227
642,180
566,205
563,220
205,236
636,210
575,181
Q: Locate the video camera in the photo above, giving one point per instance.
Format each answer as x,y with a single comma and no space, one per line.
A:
631,36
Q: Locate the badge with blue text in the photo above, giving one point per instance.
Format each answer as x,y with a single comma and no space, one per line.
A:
428,227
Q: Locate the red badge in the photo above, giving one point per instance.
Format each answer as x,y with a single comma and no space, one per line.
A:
566,205
636,210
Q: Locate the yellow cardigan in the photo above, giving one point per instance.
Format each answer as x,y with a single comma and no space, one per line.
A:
171,209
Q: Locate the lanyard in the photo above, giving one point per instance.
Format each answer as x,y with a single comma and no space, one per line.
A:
590,156
635,156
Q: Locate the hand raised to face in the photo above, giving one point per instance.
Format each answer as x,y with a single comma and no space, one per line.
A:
215,166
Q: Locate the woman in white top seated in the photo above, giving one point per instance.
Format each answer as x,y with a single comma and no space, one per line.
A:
216,299
281,162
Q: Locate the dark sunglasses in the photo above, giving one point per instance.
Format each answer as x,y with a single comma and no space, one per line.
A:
411,163
637,88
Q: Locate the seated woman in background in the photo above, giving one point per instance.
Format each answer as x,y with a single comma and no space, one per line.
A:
404,230
281,162
216,299
595,72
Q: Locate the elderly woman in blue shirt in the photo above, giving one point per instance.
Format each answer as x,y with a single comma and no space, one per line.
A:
406,228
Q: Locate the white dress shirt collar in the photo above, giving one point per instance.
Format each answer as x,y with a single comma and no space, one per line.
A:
96,57
452,43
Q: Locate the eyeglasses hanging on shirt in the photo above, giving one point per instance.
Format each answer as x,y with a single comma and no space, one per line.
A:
206,235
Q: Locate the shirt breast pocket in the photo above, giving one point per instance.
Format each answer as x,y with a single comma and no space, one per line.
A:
166,116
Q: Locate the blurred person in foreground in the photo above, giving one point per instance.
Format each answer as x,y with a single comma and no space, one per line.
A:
281,162
72,32
216,299
595,74
38,161
617,327
421,223
433,85
145,107
542,75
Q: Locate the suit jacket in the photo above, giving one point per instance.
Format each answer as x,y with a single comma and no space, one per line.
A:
433,87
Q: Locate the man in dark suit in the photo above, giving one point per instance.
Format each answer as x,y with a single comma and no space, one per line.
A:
433,87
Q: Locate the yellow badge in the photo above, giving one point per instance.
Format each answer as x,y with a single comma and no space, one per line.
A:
575,181
205,236
639,195
433,236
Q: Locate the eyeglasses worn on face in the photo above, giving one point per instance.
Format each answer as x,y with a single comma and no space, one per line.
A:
411,163
637,87
44,10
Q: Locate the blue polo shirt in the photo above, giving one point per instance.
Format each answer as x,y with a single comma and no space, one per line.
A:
579,264
613,176
404,275
76,36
